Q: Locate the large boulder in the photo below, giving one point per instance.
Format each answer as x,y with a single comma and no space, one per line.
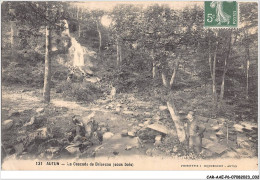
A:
39,110
159,128
213,146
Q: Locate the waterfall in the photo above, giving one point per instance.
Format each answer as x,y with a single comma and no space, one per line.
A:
78,56
77,53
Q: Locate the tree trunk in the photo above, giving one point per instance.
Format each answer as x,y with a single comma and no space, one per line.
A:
12,36
100,36
222,89
47,72
172,109
79,31
178,124
247,70
117,52
154,71
214,90
174,72
164,80
77,13
120,53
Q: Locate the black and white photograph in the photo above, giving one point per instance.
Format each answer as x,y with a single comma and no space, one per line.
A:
131,85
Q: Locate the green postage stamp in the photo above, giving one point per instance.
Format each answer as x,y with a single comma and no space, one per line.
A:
220,14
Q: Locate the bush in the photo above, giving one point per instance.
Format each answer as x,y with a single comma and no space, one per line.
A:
82,92
23,74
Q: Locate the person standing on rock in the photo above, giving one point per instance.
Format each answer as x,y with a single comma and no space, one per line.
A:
194,133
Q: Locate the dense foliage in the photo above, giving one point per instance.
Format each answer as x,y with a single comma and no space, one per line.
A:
156,50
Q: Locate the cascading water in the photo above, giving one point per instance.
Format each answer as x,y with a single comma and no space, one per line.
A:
77,52
79,55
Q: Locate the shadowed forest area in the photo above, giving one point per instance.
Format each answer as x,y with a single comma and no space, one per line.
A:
80,81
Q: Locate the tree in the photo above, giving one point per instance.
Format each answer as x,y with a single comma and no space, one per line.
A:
37,15
97,15
249,19
126,28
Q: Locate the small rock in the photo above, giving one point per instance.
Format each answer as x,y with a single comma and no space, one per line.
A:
163,108
107,135
158,138
249,125
206,153
220,134
135,142
156,117
149,152
41,133
24,90
245,144
124,133
130,124
128,112
131,133
31,122
141,125
245,152
216,127
104,129
7,124
175,149
238,127
241,138
117,109
147,122
148,141
147,113
157,143
52,150
128,148
115,153
16,113
182,113
58,90
213,137
221,121
40,110
230,154
73,149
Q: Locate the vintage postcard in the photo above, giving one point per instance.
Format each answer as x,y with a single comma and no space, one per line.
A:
132,85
